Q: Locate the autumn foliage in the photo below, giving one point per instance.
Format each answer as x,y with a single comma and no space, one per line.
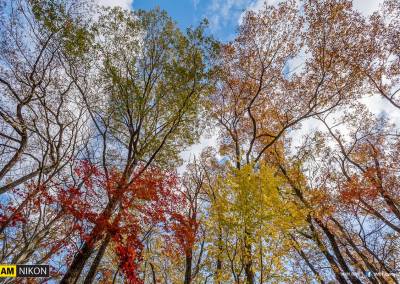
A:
99,108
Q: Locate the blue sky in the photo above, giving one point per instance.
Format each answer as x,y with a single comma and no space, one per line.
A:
186,13
222,15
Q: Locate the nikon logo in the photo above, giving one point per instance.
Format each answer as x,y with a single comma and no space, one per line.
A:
17,270
33,270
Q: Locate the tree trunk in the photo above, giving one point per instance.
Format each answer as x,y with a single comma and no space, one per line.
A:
338,254
219,260
335,267
83,255
93,268
248,266
77,264
188,270
306,260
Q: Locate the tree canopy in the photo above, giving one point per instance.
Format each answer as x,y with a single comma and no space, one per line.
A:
98,105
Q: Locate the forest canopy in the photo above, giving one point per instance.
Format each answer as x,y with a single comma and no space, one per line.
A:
98,105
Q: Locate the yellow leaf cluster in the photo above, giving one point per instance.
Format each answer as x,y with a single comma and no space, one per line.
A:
255,200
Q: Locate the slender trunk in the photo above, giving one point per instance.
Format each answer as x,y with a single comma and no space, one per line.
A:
389,272
261,262
219,257
116,274
77,264
153,273
338,254
306,260
188,270
83,255
350,241
93,269
331,259
372,279
23,143
248,265
335,267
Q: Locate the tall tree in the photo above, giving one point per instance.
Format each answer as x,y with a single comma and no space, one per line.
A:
152,79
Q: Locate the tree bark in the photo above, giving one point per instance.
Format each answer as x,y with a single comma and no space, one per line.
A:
248,266
335,267
84,254
338,254
188,270
93,268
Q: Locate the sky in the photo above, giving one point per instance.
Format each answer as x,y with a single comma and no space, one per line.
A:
223,15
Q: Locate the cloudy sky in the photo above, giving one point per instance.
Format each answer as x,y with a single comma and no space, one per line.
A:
223,15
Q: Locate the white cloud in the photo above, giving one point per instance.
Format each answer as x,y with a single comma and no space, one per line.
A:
367,7
126,4
259,4
195,3
223,12
207,140
378,106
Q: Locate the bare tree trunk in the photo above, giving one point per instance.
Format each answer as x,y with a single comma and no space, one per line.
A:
248,265
335,267
153,273
84,254
338,254
77,264
93,268
219,260
364,258
307,261
188,270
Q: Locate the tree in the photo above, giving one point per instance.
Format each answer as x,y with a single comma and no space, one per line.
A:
153,85
255,211
40,129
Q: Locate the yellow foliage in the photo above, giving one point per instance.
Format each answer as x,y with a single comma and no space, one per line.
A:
254,207
255,200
